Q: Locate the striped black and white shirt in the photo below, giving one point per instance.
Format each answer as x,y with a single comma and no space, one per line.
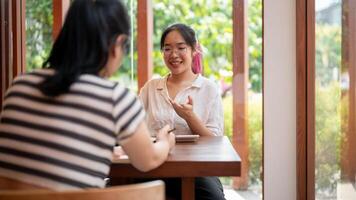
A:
64,142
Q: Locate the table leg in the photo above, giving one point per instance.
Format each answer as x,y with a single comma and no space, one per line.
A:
188,188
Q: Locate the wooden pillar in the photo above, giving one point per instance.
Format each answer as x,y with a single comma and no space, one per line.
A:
144,41
60,8
19,37
5,44
348,95
12,41
305,119
301,94
310,112
239,90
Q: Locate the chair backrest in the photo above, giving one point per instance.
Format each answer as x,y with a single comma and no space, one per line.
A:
153,190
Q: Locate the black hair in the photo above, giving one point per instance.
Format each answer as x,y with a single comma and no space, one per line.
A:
187,33
82,46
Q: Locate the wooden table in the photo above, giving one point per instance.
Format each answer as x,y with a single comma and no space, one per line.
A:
209,156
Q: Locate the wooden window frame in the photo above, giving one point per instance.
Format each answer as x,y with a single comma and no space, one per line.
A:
144,42
12,42
305,93
60,9
305,72
240,89
348,151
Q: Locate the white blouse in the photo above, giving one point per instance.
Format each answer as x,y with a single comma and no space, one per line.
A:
207,105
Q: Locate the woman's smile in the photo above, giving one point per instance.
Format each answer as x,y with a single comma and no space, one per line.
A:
175,63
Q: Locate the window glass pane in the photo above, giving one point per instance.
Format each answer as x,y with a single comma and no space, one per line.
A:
127,73
39,20
255,98
335,164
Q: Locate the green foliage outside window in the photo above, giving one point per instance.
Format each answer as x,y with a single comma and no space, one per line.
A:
328,139
327,52
255,44
39,20
328,121
212,21
254,130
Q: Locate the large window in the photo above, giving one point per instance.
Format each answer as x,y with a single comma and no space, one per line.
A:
330,129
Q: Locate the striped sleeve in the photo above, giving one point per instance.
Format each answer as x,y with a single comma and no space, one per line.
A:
127,112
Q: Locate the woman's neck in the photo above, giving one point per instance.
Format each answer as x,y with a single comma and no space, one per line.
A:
177,82
182,78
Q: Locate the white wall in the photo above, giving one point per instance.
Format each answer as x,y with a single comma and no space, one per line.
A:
279,100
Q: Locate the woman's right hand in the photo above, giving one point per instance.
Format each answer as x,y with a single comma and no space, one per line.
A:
163,135
149,155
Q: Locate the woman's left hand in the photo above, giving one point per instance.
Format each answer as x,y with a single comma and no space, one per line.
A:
119,153
183,110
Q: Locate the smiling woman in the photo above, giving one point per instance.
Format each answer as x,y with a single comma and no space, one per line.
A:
239,78
170,99
185,100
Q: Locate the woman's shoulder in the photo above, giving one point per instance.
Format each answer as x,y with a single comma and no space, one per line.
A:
207,83
100,86
97,80
206,80
155,82
35,76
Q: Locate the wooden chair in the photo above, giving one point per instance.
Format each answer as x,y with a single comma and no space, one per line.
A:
153,190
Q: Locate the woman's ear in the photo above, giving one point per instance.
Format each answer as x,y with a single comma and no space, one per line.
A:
194,52
197,50
119,45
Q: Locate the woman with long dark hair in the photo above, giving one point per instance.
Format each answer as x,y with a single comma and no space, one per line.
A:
59,124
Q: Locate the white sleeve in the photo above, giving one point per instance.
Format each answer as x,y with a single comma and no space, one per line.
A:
215,122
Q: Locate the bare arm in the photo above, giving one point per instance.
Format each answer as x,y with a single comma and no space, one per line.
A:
145,155
197,126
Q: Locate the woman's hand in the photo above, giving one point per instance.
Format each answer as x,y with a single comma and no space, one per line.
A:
183,110
119,153
142,152
164,135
